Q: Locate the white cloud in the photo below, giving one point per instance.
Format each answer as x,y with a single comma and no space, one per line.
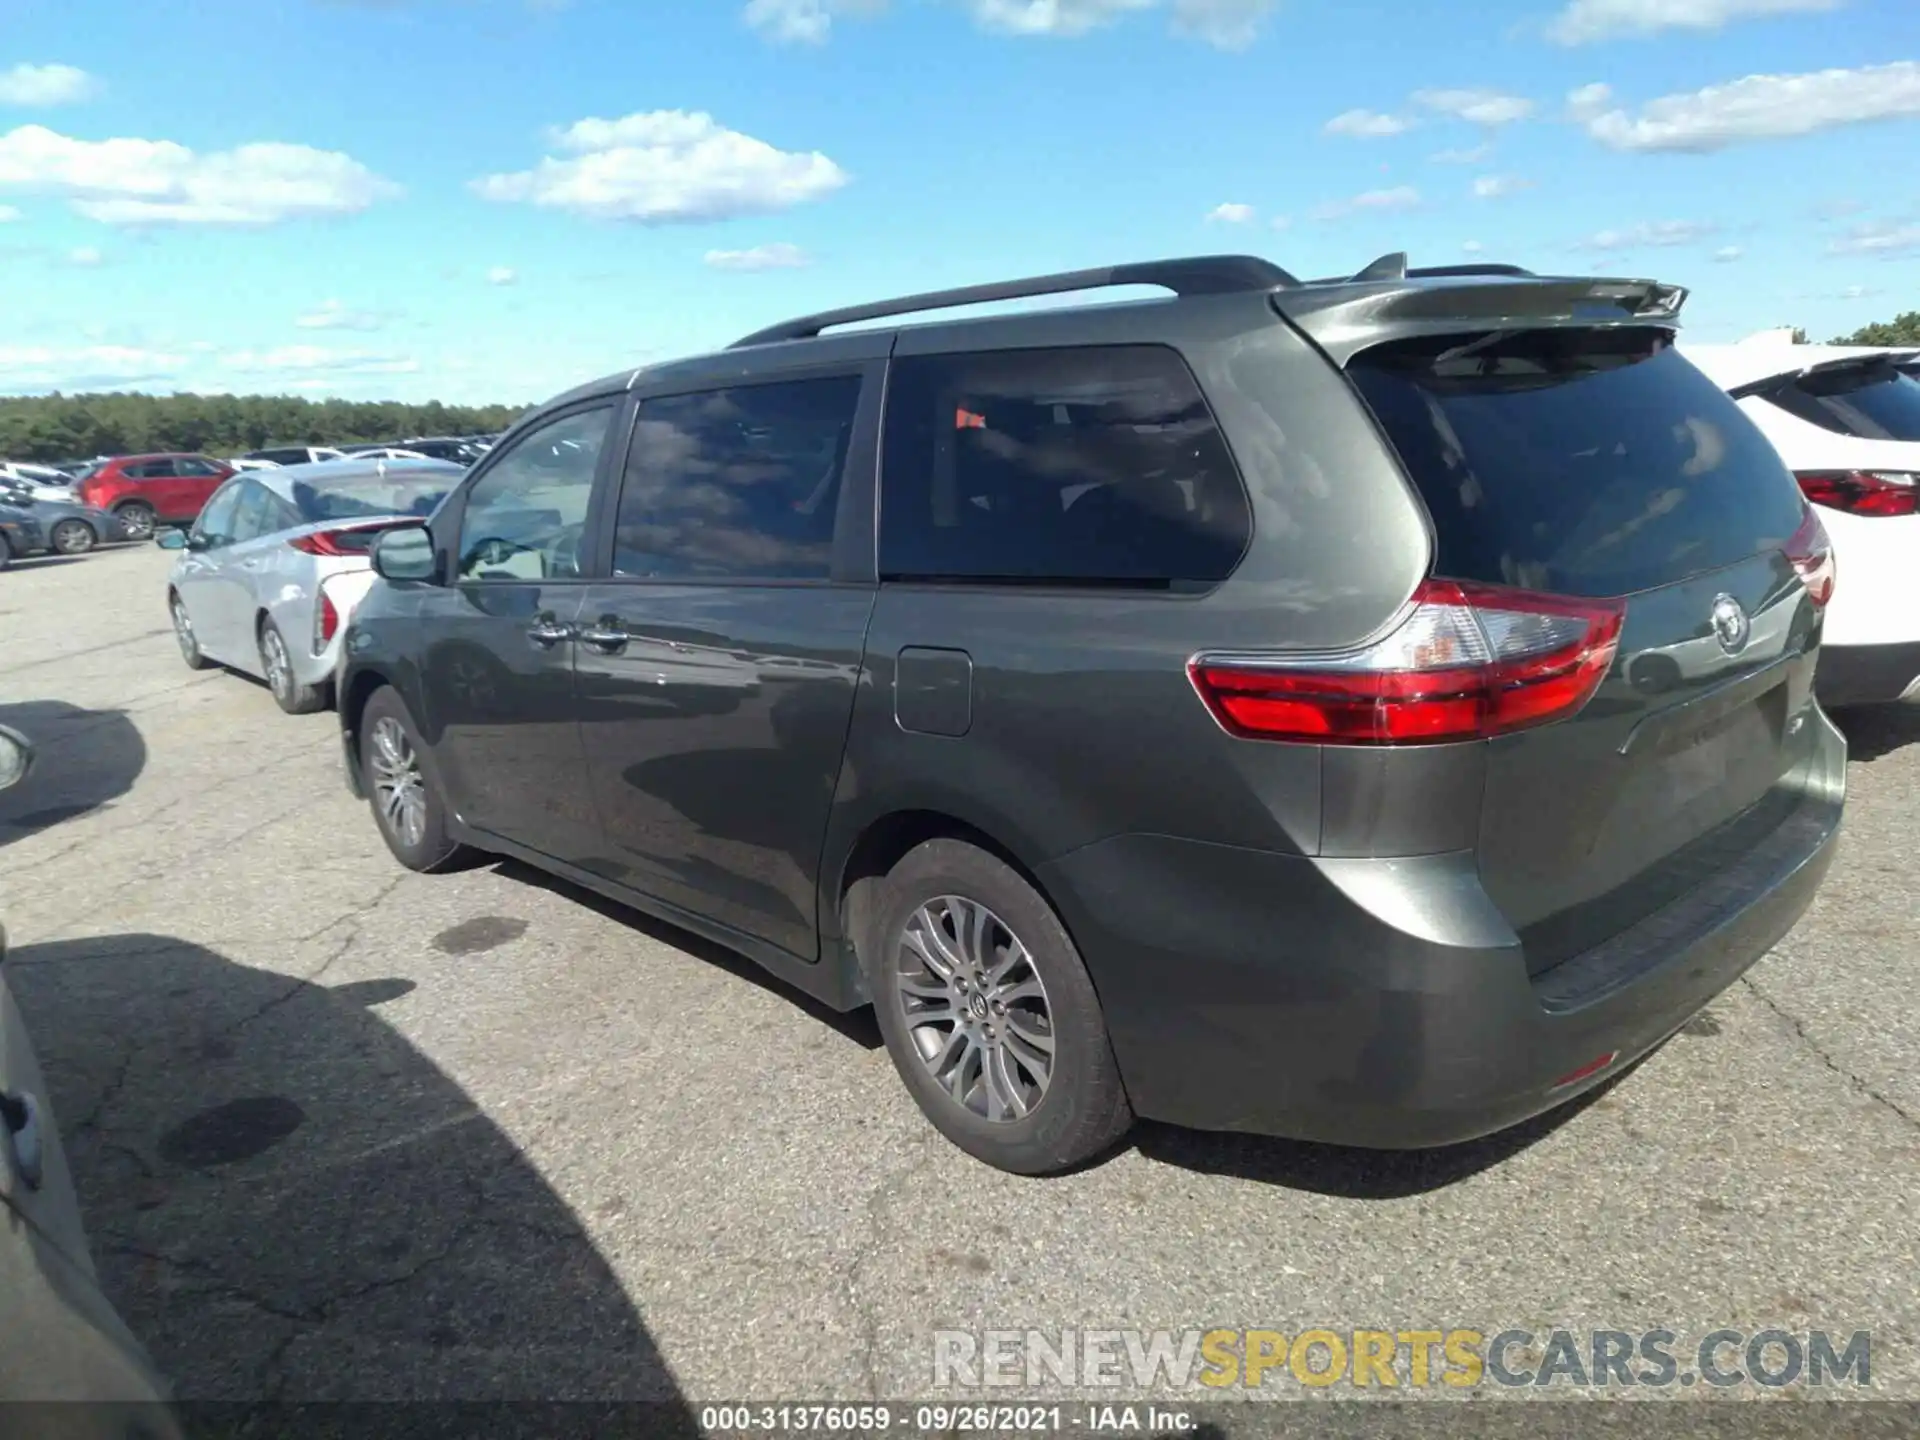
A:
1588,101
46,85
1728,253
1367,124
1878,237
665,166
1231,213
332,315
1585,21
46,367
1657,233
1223,24
316,357
1400,197
503,275
1495,187
803,22
156,182
1470,156
778,256
86,257
1472,247
1761,107
1482,107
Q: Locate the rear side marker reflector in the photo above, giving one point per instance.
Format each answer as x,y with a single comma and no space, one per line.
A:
1586,1071
1468,662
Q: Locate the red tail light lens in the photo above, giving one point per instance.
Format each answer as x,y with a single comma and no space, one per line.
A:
1812,555
341,540
1469,661
327,624
1861,492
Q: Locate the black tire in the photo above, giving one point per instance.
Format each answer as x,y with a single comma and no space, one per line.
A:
72,537
433,849
1082,1110
184,635
289,693
139,519
6,552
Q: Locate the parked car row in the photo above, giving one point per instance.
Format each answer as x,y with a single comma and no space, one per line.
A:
1371,710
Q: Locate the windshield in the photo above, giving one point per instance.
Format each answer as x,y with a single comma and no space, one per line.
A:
391,495
1587,462
1873,401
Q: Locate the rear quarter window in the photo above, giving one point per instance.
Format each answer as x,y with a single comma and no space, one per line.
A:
1583,462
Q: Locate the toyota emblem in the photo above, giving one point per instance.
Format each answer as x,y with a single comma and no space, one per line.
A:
1730,624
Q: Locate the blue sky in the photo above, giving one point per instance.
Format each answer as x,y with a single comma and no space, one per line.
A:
493,199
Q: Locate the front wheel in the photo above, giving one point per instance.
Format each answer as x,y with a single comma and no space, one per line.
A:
183,633
290,693
407,805
989,1014
138,519
72,537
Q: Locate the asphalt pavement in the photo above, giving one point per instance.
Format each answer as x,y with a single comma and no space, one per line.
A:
346,1132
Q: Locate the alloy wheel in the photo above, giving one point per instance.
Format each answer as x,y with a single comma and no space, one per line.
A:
400,790
273,650
72,537
138,521
183,631
975,1007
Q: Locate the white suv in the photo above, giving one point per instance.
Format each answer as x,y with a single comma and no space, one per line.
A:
1846,419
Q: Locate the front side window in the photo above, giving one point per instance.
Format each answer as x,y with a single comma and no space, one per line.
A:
214,528
197,466
525,518
253,513
736,484
1088,466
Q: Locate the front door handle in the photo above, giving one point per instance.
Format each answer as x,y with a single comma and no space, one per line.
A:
548,632
607,636
20,1122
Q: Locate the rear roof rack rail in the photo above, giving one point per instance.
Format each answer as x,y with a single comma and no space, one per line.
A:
1194,275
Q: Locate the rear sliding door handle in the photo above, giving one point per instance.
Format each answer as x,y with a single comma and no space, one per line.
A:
547,631
605,637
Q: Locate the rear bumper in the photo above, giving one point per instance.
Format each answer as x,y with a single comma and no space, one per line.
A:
1867,674
1386,1003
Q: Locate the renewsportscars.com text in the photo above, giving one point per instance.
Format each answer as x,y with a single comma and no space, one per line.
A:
1457,1359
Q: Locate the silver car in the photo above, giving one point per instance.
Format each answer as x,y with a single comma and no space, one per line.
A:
277,560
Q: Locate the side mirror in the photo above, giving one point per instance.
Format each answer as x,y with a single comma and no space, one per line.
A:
16,757
406,553
171,540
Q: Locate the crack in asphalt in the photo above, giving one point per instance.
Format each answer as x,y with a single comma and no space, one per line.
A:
1805,1037
879,1202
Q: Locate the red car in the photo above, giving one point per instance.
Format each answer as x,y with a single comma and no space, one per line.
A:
147,491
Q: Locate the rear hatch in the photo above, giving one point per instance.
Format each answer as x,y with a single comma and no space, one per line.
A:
1595,462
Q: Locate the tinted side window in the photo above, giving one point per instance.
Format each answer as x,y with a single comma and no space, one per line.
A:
1099,465
1587,462
1875,402
524,519
215,525
196,466
150,470
736,484
253,514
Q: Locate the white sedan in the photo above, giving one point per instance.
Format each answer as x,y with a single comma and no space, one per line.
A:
270,572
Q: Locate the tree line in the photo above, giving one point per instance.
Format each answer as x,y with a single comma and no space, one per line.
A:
55,427
1901,330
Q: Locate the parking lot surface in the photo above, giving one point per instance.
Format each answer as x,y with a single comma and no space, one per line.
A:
346,1132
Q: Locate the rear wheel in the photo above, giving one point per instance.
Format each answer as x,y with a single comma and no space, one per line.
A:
72,537
407,805
276,662
989,1013
183,633
138,519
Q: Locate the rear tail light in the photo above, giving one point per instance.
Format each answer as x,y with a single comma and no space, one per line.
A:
1469,661
1861,492
341,540
326,622
1812,556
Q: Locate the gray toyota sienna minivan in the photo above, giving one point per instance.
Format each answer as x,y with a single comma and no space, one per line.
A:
1371,710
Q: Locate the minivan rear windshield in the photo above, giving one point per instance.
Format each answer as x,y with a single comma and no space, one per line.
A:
1873,400
1582,462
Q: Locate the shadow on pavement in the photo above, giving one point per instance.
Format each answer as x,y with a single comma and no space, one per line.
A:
1876,730
858,1026
83,759
289,1202
1348,1172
